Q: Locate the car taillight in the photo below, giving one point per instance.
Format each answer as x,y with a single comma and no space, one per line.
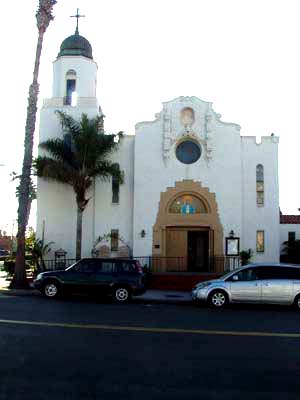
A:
139,267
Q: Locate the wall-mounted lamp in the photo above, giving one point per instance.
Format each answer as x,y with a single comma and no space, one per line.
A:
143,233
231,233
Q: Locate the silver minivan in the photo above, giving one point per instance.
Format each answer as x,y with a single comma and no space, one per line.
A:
253,283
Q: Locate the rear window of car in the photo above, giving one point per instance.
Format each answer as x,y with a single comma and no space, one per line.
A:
295,273
273,272
107,267
126,266
110,266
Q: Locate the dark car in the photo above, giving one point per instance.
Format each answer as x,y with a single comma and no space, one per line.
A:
120,278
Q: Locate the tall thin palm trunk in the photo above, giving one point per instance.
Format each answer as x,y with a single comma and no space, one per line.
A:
43,16
79,232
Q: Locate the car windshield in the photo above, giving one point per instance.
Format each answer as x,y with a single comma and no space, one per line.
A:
228,274
71,266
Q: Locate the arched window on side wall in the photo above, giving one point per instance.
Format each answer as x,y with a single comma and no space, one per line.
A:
115,183
260,185
71,95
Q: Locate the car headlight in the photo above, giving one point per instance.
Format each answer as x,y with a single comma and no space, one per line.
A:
39,276
203,285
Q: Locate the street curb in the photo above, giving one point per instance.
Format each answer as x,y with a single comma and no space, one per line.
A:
19,292
34,292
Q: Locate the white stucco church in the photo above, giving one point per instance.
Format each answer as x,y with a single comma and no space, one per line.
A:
194,188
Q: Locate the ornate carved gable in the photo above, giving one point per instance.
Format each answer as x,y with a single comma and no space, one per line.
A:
189,117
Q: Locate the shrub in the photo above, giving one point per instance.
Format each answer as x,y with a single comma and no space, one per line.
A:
245,256
9,267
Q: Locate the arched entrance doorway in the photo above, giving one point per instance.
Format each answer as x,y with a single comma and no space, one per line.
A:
187,233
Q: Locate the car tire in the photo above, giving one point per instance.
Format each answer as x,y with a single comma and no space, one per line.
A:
218,299
51,289
122,294
297,302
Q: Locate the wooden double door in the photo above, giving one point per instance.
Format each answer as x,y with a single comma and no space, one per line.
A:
190,246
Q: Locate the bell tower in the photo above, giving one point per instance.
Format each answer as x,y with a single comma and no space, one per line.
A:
74,70
74,84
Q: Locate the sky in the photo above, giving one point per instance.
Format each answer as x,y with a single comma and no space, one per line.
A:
241,55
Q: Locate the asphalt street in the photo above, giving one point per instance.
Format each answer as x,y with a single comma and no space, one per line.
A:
87,349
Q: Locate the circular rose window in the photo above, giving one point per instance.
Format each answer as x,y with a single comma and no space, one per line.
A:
188,152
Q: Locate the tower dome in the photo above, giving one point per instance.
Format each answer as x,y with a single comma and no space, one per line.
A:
76,45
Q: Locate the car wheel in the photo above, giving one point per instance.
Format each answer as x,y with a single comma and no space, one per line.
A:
297,302
122,294
218,299
51,289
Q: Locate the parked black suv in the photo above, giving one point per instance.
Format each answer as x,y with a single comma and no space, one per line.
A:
120,278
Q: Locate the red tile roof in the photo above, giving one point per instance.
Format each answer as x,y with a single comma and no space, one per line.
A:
289,219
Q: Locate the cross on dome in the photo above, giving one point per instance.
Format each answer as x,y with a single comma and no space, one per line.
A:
77,16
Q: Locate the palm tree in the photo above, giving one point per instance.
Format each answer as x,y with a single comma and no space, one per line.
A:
43,17
78,158
32,193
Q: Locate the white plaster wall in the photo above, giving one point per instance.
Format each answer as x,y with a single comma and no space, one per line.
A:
86,75
56,208
264,218
106,215
284,232
152,176
56,205
231,175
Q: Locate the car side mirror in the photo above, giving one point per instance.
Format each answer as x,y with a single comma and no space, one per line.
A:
235,278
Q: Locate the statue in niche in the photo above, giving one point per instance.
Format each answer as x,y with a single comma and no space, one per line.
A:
187,207
187,117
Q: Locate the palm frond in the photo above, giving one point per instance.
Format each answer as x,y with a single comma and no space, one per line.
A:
80,156
56,170
62,150
106,169
68,123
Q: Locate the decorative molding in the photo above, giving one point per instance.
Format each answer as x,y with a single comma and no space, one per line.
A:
165,219
201,125
187,117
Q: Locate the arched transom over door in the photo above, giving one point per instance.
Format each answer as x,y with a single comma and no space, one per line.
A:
187,231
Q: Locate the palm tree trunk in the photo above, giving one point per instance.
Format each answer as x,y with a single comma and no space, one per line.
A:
79,232
28,210
43,16
19,279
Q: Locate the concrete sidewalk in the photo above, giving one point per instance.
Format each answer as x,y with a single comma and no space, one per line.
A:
5,290
151,296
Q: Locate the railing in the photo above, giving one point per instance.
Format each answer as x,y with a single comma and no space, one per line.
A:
155,264
216,264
